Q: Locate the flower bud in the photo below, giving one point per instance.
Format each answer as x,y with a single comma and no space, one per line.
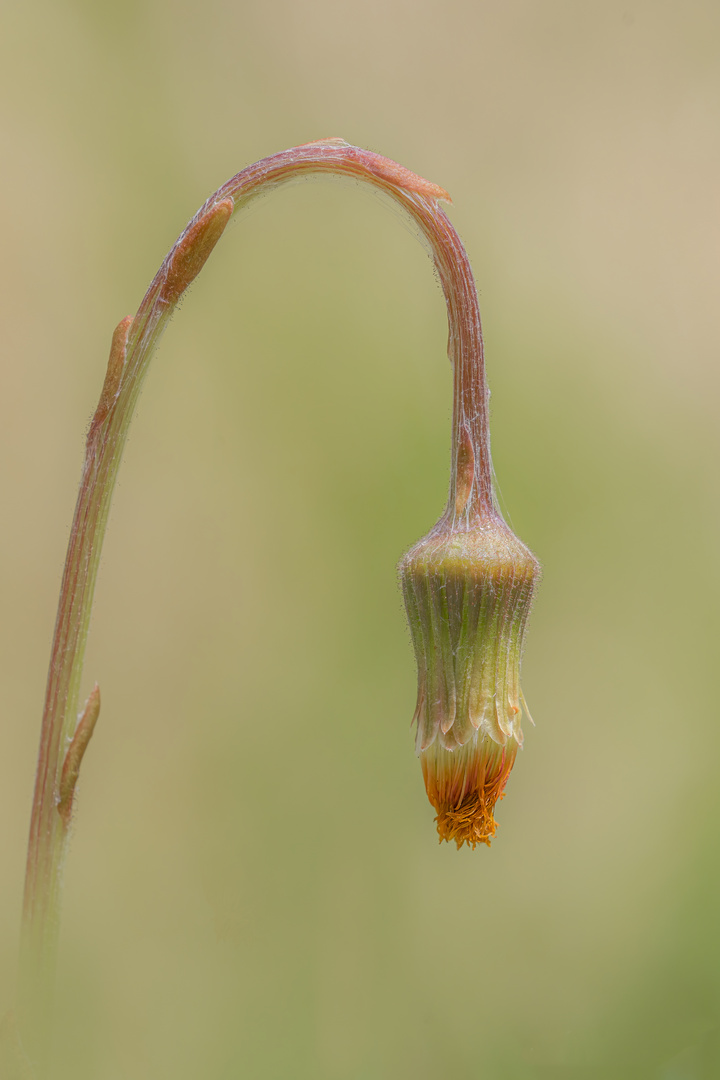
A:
468,592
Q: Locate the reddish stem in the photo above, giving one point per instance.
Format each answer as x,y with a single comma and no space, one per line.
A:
133,344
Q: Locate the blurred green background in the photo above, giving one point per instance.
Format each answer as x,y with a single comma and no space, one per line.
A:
255,887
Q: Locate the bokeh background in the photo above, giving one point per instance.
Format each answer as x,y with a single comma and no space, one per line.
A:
255,887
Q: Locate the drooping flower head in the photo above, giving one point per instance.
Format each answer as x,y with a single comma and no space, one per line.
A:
468,588
468,593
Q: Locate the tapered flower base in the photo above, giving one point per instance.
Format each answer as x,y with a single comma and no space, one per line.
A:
464,784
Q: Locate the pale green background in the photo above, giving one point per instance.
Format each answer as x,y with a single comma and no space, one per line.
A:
255,888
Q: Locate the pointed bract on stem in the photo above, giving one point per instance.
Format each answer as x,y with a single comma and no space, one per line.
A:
76,752
113,374
455,608
194,249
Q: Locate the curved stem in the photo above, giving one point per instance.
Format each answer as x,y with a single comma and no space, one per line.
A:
471,489
63,738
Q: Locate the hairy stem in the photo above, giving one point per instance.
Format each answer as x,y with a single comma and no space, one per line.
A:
64,736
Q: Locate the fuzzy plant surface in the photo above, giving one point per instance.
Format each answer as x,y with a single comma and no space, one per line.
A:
468,585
